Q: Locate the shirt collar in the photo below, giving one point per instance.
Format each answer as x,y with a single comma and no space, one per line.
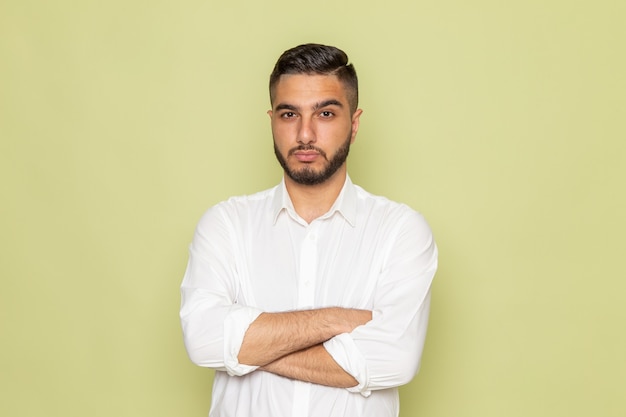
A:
345,204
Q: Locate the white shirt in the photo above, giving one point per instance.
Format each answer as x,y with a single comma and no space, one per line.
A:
254,254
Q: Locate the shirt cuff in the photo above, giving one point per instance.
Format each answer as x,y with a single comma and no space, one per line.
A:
236,324
344,351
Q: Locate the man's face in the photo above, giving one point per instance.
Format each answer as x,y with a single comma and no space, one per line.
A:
312,126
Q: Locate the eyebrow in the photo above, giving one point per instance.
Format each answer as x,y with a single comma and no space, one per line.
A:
316,106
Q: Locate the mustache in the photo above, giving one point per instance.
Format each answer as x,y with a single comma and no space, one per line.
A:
306,148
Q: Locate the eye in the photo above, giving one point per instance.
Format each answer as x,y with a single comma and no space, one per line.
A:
326,114
288,115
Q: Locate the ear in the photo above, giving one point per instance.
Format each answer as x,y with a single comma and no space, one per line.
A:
356,117
270,113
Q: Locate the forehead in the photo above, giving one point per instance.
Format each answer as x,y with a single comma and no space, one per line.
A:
304,89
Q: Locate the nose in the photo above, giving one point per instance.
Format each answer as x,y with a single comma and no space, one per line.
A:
306,132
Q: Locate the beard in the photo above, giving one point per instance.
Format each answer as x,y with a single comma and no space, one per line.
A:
308,176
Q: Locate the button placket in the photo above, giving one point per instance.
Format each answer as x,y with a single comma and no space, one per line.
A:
306,299
308,269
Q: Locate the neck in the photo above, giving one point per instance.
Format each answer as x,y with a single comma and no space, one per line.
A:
313,201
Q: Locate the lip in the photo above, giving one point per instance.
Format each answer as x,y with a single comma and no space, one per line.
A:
306,156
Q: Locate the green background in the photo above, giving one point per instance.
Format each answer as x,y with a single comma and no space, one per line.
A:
503,122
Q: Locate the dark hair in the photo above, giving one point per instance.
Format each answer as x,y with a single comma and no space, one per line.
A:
312,58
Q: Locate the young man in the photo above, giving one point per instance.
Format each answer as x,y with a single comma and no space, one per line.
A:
311,298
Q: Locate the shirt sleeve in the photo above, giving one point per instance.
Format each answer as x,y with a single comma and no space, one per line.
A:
213,323
386,352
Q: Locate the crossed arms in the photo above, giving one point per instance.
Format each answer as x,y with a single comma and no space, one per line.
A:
290,344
